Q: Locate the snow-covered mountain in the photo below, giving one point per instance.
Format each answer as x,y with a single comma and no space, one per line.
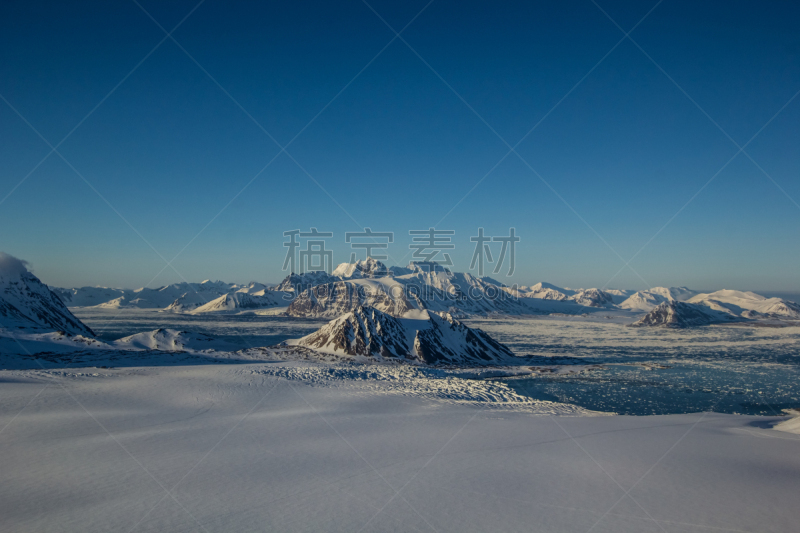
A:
370,268
543,291
241,300
675,314
28,305
178,297
425,286
339,297
88,296
405,292
647,300
432,338
191,295
592,298
748,304
548,291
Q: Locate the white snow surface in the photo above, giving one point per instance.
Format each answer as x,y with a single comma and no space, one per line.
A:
295,446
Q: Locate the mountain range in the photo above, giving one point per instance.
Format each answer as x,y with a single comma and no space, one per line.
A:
405,292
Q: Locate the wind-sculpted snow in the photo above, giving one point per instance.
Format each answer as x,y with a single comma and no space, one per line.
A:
27,304
431,339
404,380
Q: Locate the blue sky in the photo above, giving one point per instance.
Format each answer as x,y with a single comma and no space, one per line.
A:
616,165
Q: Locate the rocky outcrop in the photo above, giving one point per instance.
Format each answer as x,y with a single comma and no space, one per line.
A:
674,314
438,338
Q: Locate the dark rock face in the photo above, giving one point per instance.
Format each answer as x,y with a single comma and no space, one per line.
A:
675,314
365,331
340,297
439,340
450,341
301,282
28,304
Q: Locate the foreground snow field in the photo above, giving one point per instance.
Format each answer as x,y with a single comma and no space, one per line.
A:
248,448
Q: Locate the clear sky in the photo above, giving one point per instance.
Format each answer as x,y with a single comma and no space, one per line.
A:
615,164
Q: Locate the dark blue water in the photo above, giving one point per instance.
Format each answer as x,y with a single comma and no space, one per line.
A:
629,391
740,370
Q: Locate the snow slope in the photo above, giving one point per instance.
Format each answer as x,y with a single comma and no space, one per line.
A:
296,446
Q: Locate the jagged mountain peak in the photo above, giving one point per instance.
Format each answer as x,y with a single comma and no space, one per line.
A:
433,338
27,304
368,268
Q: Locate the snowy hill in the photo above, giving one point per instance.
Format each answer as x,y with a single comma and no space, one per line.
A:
675,314
543,291
748,304
548,291
28,305
170,340
432,338
592,298
647,300
240,300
